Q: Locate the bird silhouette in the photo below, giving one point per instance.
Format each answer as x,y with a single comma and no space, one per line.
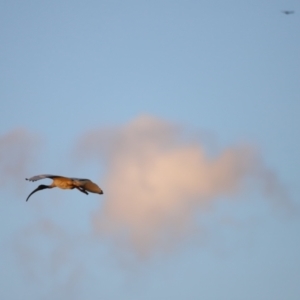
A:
66,183
287,12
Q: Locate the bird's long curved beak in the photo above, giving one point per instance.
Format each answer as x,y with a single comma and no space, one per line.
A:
40,187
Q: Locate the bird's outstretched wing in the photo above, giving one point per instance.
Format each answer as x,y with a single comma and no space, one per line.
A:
287,12
38,177
88,185
80,179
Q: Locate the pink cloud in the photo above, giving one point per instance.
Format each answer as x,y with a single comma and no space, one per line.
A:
158,180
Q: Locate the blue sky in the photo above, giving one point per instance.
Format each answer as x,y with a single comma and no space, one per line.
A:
225,72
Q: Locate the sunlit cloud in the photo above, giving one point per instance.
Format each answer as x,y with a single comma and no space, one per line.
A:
158,180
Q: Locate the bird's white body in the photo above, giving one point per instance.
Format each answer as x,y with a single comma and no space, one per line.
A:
63,183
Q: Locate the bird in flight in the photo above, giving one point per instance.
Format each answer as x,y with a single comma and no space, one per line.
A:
66,183
287,12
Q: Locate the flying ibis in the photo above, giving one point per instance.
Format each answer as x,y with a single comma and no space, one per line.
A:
66,183
287,12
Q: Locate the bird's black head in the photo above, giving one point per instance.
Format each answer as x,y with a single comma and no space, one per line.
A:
40,187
